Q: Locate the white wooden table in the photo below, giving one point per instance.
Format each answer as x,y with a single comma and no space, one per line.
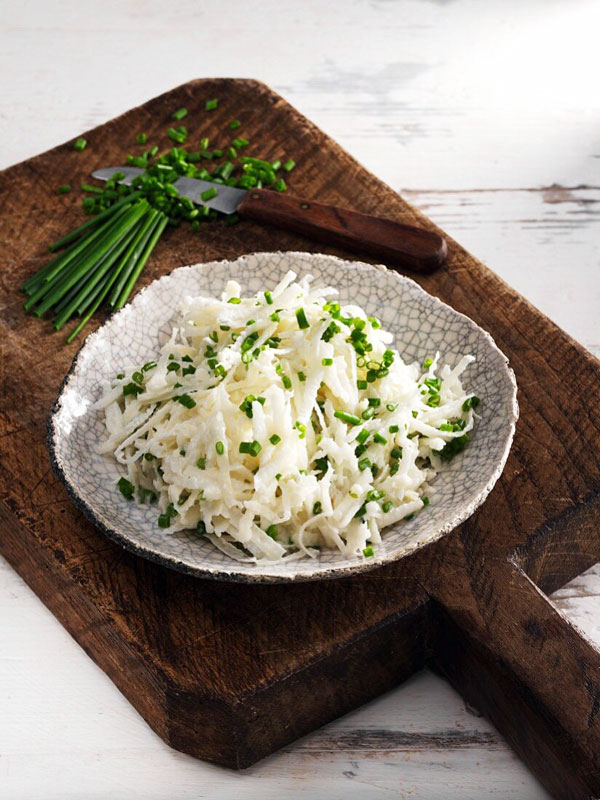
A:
486,115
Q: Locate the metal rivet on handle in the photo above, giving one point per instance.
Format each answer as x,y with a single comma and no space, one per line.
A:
304,206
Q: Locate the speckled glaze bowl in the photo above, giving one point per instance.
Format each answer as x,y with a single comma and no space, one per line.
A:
421,324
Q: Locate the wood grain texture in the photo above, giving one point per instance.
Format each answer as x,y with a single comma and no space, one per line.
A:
509,629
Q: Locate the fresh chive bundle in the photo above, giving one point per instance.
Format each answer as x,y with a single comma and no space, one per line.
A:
108,255
102,259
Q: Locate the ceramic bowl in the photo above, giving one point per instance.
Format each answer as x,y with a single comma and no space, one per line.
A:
421,325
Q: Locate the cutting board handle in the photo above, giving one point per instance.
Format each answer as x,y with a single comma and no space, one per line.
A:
404,245
530,671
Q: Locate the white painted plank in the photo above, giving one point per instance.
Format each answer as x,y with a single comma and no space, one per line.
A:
544,242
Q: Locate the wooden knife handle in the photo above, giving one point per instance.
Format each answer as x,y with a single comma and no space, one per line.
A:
415,248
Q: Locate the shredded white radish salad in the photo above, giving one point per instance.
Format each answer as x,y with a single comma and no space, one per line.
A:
280,424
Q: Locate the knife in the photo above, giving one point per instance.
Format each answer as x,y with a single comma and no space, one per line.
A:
405,245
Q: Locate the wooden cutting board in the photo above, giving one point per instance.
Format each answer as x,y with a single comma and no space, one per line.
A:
230,672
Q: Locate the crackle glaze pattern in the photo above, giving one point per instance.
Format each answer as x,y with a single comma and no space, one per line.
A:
421,325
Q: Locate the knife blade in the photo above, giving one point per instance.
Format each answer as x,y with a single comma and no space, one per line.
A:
409,246
226,201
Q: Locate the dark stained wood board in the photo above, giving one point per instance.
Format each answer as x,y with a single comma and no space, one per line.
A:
230,672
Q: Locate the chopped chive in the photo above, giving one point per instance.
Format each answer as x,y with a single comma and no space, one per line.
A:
361,385
201,463
396,452
391,406
269,298
272,532
363,436
141,138
210,105
471,402
178,135
394,428
322,464
351,419
250,448
327,362
301,317
287,382
132,389
185,400
289,165
164,520
278,476
64,188
368,413
235,300
126,488
301,428
235,124
330,331
374,401
427,363
180,114
379,439
147,494
274,439
387,506
208,194
453,447
280,185
368,552
220,448
301,377
426,501
80,144
274,317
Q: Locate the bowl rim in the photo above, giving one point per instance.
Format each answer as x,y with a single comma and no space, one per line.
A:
329,572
